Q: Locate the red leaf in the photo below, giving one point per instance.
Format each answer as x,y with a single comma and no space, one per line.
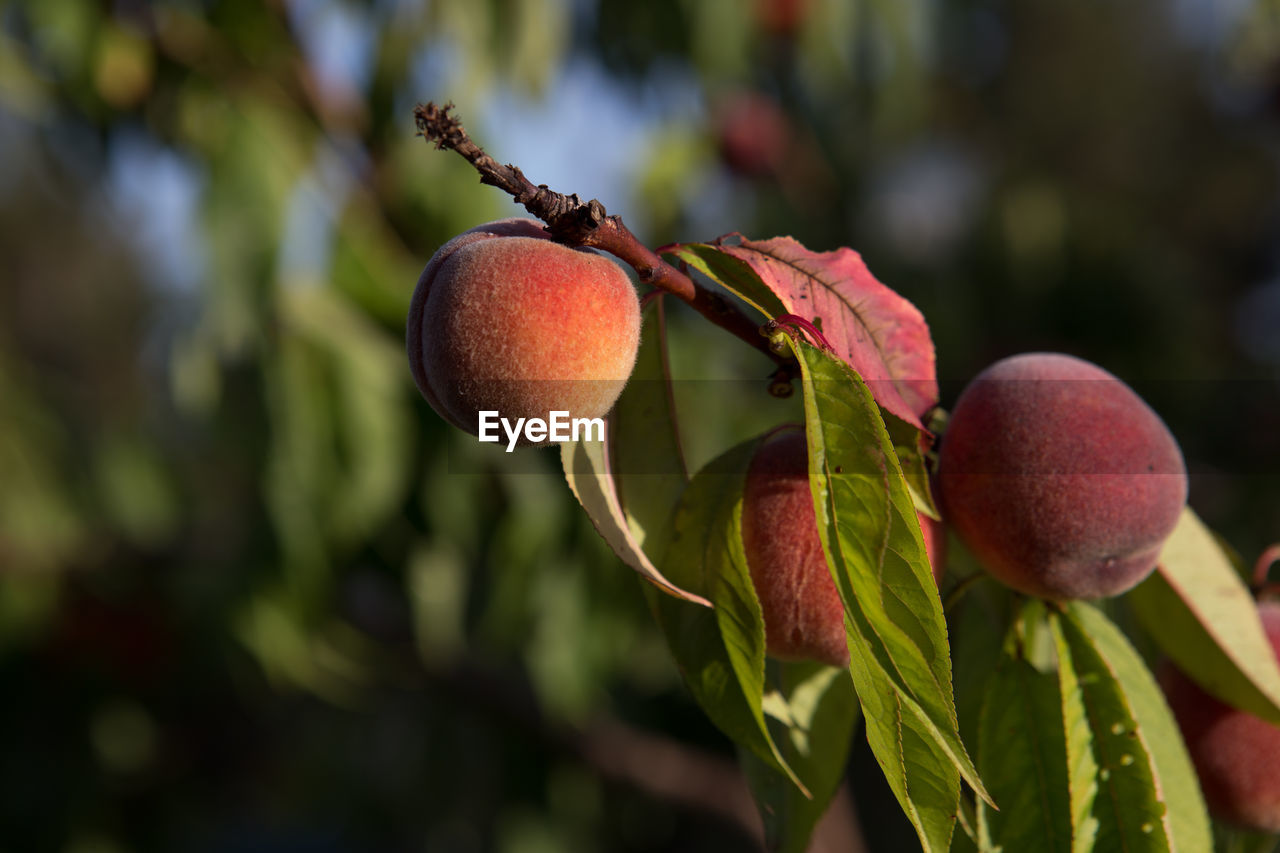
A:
879,333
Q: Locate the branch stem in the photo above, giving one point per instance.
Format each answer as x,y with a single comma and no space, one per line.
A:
575,222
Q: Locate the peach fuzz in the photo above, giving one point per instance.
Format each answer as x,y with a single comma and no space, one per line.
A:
803,614
1059,478
507,320
1236,755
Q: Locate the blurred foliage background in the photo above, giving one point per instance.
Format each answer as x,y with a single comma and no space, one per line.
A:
254,595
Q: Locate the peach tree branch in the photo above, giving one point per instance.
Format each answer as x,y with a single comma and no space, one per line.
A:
575,222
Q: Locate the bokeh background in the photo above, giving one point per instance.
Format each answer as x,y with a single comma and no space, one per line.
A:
255,596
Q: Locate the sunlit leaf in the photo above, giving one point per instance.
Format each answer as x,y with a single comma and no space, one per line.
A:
586,468
880,334
897,636
648,464
1082,767
1202,616
1175,777
1148,798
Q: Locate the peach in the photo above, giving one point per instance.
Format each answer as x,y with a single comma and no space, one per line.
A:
505,319
1236,755
753,134
803,614
1059,478
935,545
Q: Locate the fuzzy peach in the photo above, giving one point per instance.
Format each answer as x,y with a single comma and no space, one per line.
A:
1059,478
1236,755
803,614
507,320
935,545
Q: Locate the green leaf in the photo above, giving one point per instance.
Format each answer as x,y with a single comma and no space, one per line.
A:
968,840
925,782
897,636
1022,755
630,484
734,273
1148,798
371,430
647,460
911,456
586,468
1202,616
977,633
1082,769
720,652
812,713
1174,774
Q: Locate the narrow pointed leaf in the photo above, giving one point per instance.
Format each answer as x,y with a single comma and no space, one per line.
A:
1175,776
720,652
969,839
1147,799
899,655
813,712
586,468
909,445
1022,756
1082,768
1200,613
644,442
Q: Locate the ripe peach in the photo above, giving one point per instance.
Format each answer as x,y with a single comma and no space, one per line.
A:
935,545
1059,478
505,319
803,614
1236,755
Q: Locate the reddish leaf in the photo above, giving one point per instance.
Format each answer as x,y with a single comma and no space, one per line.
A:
879,333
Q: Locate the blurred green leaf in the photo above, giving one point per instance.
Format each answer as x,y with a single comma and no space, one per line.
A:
329,660
372,435
135,489
22,90
437,585
40,523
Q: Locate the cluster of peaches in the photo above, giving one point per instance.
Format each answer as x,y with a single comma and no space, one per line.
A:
1057,476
